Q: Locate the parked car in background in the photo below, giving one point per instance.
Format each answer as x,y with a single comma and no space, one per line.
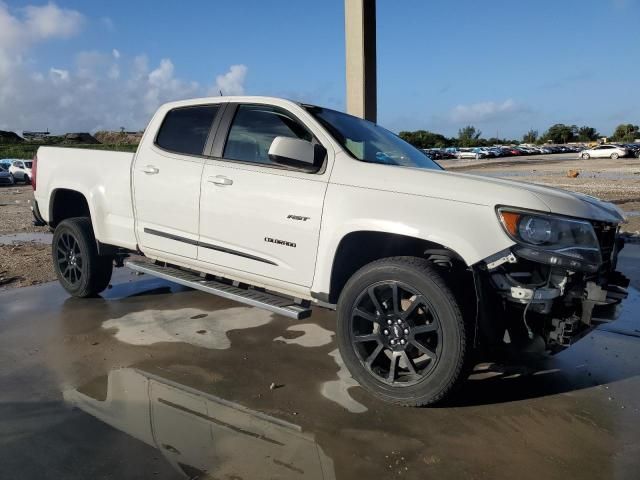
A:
470,153
21,170
438,154
634,149
6,178
605,151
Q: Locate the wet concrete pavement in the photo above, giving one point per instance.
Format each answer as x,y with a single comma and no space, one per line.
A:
156,381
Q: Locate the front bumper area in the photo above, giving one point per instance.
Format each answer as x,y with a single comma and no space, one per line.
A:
536,296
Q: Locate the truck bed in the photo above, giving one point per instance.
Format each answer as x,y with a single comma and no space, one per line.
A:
103,177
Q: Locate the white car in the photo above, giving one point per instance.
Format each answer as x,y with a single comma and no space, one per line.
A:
284,206
604,151
470,153
21,170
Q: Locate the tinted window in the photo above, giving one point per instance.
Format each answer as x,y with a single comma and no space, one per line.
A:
369,142
185,130
28,164
254,128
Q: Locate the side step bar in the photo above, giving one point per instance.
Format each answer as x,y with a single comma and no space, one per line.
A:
268,301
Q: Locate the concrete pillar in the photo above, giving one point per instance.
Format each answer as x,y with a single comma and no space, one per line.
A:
360,36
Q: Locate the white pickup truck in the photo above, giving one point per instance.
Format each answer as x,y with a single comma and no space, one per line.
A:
284,206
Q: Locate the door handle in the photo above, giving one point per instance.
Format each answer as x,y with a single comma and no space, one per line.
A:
150,170
220,180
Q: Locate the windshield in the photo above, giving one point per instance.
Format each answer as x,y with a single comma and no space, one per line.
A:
369,142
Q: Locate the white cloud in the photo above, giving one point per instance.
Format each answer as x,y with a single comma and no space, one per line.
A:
19,31
485,111
58,75
51,21
102,90
32,24
232,82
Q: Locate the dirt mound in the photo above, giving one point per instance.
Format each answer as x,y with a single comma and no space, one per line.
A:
119,138
10,137
81,137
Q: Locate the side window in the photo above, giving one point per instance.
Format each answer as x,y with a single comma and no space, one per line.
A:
253,129
185,130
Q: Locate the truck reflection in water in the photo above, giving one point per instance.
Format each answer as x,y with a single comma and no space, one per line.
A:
203,436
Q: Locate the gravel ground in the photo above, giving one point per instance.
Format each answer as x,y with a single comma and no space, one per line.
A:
25,264
15,214
28,263
21,263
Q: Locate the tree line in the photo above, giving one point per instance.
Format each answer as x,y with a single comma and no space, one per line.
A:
470,136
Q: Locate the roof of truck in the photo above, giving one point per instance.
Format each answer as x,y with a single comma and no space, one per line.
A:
228,98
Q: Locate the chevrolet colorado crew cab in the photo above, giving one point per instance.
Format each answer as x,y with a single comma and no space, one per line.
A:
284,206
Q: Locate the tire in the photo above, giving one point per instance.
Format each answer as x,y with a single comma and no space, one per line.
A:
79,268
26,179
430,355
614,156
585,156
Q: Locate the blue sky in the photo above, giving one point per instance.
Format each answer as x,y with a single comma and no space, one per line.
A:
503,66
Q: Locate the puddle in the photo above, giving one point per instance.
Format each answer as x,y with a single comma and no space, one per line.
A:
38,237
338,390
201,435
312,335
206,329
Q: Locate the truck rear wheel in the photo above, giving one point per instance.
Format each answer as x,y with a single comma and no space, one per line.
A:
79,268
401,333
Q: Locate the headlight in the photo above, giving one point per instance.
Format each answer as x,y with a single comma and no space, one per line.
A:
556,236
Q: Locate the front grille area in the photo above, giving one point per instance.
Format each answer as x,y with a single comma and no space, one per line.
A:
607,234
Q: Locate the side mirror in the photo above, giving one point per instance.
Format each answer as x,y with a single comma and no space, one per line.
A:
296,153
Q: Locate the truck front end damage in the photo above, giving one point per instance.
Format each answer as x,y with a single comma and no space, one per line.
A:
554,285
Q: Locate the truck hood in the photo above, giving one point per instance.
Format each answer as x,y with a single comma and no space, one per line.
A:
559,201
475,189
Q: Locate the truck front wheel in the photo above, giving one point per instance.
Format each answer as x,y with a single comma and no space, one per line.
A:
79,268
401,332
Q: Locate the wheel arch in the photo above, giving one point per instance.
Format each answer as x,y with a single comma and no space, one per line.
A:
67,203
358,248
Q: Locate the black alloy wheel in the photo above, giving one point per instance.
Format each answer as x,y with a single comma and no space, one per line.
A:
69,258
78,266
395,333
401,332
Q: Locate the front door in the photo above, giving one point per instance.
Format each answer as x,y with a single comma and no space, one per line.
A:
166,180
255,216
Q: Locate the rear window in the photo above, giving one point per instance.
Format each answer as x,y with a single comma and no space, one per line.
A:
28,164
185,130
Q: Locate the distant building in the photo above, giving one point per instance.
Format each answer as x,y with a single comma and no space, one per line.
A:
35,136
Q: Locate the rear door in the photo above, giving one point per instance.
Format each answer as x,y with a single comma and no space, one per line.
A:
603,151
255,216
166,181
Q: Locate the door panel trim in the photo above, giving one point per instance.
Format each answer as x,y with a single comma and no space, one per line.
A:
197,243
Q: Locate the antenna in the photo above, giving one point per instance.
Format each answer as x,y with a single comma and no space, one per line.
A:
220,93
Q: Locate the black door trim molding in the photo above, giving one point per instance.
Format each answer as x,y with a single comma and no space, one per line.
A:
189,241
